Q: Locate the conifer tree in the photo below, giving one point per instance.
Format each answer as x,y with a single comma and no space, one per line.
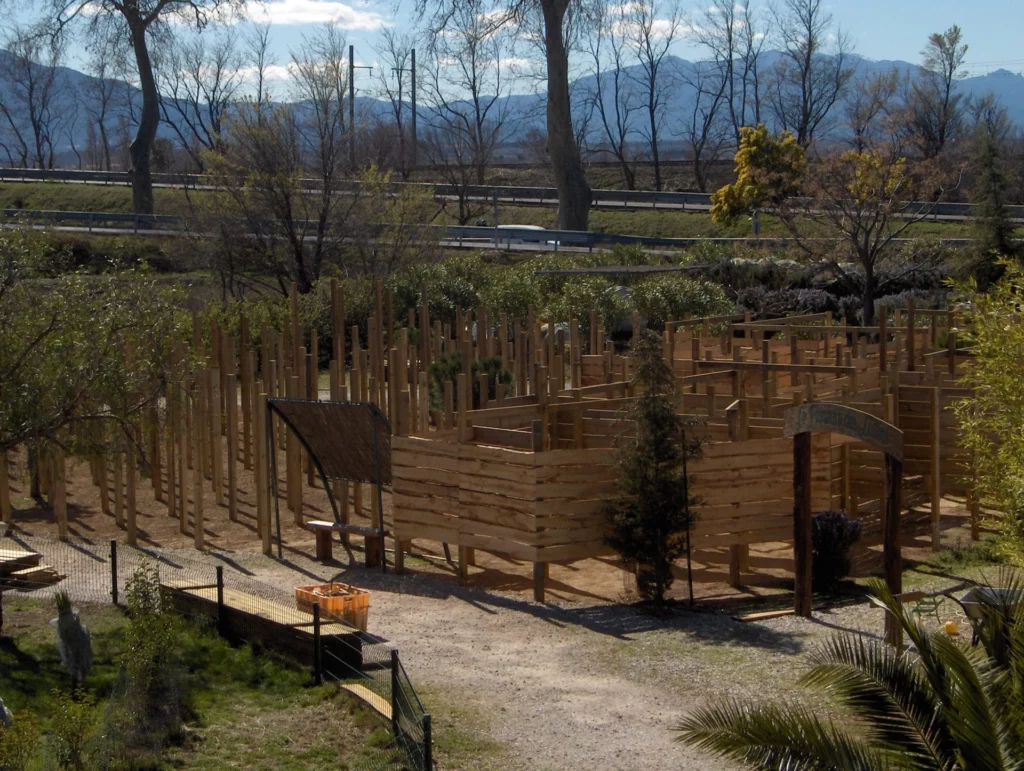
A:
993,226
651,515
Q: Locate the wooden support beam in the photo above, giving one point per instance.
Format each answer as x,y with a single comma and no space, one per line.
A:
131,481
802,542
59,493
934,471
232,456
5,490
197,474
891,547
539,575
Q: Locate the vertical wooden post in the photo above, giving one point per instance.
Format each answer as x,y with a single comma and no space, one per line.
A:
183,447
119,486
312,392
232,418
539,574
892,553
197,474
170,429
465,430
802,546
131,478
263,474
5,490
59,493
910,334
294,463
156,475
951,342
216,451
883,341
247,366
935,471
296,325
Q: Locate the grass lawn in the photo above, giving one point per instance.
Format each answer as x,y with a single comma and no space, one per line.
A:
246,710
58,196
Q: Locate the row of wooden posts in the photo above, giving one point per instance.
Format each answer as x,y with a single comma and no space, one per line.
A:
209,421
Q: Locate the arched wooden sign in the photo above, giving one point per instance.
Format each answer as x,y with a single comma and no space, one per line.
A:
818,417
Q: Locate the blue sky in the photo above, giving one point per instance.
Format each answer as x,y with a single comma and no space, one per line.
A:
879,29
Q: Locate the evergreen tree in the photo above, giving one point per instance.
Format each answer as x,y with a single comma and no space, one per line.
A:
650,516
993,227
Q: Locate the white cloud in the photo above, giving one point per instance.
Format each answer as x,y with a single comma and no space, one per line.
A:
286,12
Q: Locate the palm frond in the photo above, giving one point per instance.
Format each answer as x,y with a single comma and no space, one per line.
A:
779,737
973,720
888,692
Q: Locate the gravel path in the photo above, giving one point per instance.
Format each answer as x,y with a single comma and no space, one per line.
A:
565,685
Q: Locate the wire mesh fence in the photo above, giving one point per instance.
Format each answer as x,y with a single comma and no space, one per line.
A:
241,609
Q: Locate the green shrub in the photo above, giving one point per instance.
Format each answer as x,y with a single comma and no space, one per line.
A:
664,297
72,730
18,743
146,712
448,366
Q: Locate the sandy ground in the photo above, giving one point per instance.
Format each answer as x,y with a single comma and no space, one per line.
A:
584,680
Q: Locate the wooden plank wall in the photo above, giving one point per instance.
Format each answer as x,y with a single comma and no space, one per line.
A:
548,506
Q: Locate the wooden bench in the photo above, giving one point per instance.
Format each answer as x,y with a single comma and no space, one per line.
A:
324,530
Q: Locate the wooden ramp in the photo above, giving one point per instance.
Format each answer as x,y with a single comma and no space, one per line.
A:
378,702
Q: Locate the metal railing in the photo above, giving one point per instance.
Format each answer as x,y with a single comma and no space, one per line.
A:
526,196
460,236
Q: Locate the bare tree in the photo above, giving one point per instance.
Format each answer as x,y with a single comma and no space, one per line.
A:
612,98
555,20
813,73
870,107
653,28
260,59
33,98
199,80
735,36
395,57
136,22
99,95
466,85
707,128
934,110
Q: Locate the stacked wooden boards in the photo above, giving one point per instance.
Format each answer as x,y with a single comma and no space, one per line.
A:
23,569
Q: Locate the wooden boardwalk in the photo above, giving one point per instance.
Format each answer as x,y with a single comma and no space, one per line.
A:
275,611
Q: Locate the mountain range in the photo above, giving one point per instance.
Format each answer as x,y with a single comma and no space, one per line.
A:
528,109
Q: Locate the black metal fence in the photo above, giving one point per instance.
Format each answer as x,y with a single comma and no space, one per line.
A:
243,610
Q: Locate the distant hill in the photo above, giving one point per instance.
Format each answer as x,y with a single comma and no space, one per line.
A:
528,109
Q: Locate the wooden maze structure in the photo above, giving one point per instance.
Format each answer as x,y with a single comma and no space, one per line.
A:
523,469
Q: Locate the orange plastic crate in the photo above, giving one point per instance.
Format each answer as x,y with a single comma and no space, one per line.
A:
344,600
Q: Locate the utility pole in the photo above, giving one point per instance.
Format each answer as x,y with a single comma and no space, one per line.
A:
352,106
414,109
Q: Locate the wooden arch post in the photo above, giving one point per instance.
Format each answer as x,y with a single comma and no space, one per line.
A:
816,417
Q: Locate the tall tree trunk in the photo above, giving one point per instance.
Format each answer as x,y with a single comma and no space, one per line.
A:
566,166
142,146
868,299
654,148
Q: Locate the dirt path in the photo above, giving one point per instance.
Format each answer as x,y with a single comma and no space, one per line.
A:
547,682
